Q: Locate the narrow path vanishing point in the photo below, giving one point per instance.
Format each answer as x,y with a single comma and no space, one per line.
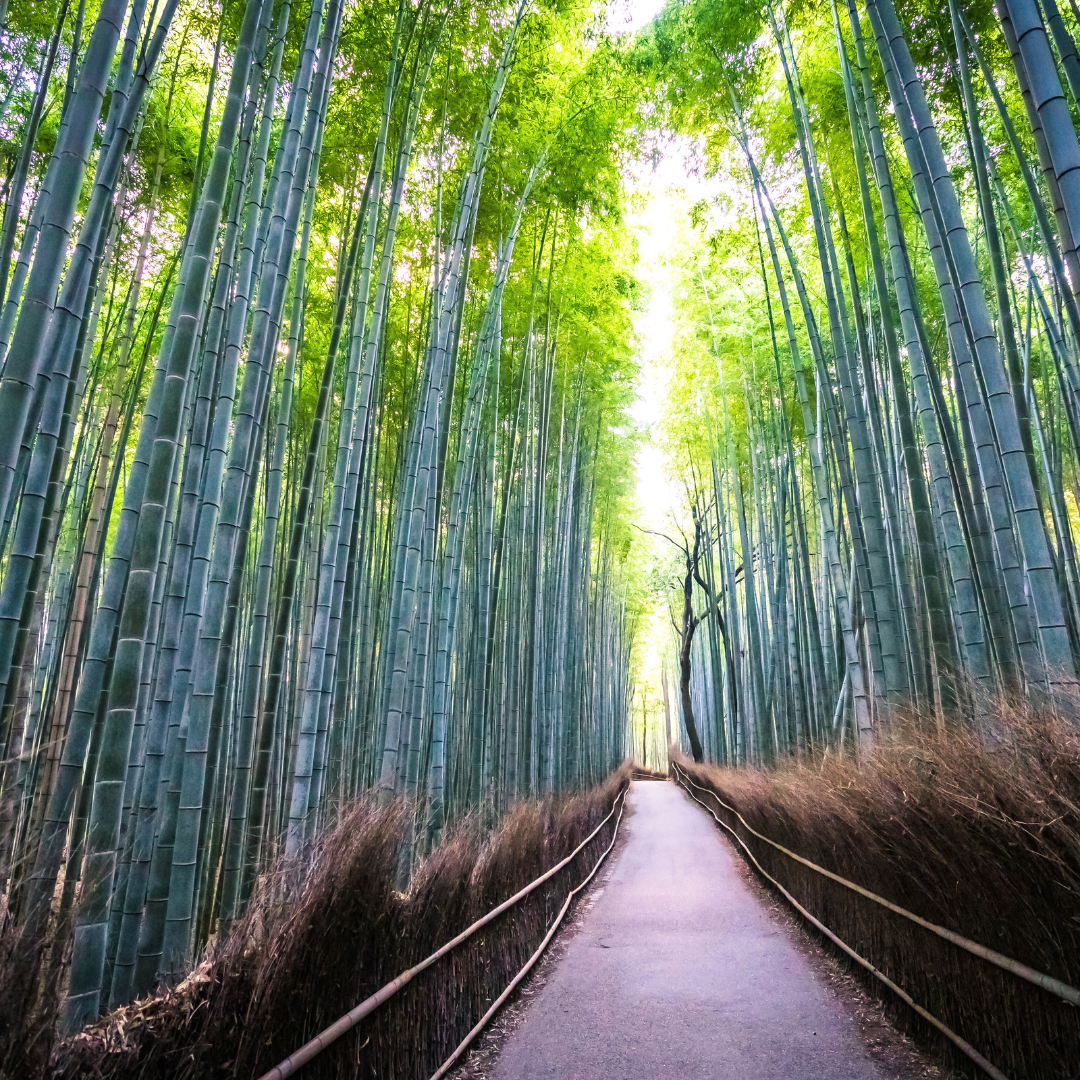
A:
678,971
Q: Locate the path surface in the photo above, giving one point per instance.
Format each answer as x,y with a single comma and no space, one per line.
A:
679,972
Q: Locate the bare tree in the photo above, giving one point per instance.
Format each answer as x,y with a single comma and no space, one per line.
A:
687,626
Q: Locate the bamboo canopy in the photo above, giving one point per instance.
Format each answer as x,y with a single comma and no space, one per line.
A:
318,364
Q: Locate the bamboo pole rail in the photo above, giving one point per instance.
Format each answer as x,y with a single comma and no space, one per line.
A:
445,1067
962,1044
1046,982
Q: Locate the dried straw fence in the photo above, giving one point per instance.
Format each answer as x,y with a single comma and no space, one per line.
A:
281,979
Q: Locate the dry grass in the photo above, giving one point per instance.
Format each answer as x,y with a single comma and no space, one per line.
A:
302,958
26,1008
983,839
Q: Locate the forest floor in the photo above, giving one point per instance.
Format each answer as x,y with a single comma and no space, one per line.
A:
679,964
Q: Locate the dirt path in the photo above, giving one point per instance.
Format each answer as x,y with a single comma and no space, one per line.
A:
678,971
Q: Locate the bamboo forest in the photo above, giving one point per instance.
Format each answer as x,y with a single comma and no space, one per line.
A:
424,422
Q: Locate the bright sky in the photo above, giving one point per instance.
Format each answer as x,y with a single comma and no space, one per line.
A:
665,192
631,15
661,196
662,192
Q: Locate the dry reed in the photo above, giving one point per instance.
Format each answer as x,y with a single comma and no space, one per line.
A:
983,839
302,958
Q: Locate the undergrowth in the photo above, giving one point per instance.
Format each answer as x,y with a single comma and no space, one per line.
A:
304,956
983,839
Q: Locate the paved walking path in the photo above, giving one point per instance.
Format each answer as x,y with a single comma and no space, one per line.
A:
679,972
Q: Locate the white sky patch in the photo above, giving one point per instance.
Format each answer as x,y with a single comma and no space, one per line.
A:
629,16
662,191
